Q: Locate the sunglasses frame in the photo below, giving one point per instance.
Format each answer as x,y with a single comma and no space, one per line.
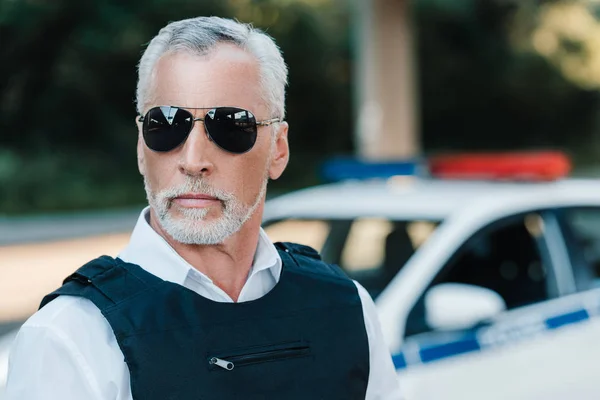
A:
265,122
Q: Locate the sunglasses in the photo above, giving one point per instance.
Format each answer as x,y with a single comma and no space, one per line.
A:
232,129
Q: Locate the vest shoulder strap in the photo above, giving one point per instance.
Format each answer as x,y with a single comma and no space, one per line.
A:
307,260
105,281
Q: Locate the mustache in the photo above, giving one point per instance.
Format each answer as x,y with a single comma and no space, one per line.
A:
193,185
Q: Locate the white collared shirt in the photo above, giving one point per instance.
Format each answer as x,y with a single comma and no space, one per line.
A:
68,350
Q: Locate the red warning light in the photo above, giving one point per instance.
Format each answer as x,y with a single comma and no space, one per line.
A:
537,166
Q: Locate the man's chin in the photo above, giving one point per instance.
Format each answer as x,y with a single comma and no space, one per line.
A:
200,231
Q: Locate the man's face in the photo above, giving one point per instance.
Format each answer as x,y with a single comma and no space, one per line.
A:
199,193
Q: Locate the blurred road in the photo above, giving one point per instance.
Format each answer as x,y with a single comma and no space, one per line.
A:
38,252
65,226
9,326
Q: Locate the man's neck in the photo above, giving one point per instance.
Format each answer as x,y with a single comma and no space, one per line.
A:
227,264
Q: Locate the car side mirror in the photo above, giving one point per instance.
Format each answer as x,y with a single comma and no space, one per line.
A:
450,306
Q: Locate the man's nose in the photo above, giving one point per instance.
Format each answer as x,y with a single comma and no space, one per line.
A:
197,153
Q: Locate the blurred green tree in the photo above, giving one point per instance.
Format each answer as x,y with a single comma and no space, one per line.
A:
483,87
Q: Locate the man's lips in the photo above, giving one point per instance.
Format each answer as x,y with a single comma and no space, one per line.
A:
195,200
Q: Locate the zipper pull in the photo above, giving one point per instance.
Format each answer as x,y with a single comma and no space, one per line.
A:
228,365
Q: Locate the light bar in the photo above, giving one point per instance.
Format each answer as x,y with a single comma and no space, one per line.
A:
530,166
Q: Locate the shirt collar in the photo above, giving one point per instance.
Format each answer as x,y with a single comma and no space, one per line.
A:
151,251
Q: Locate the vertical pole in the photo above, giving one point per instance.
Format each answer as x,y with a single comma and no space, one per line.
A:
386,101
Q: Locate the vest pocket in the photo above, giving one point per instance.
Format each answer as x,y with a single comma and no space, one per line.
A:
230,360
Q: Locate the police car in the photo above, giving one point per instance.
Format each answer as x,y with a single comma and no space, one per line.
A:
486,273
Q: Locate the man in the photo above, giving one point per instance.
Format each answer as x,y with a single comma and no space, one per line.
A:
200,304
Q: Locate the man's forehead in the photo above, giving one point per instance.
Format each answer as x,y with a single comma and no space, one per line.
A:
227,75
224,61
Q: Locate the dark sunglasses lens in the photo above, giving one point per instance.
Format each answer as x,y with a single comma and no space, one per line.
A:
165,128
232,129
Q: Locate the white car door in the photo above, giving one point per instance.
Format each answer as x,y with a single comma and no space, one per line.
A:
542,347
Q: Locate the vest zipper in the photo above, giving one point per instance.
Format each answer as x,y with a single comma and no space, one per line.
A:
228,365
236,360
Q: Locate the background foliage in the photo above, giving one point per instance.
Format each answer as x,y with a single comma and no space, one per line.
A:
68,68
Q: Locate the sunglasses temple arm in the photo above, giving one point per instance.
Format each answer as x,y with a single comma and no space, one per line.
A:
268,122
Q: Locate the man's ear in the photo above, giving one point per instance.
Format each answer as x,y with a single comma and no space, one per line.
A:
140,148
281,151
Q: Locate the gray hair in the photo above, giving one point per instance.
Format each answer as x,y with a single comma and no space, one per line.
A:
202,34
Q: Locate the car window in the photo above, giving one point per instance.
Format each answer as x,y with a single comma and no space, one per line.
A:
311,232
505,257
370,250
376,249
581,229
364,248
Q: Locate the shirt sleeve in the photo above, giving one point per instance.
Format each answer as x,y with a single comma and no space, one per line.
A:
44,364
383,380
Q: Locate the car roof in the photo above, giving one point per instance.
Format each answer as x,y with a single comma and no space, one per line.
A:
415,198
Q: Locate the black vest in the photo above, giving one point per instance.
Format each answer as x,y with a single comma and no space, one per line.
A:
305,339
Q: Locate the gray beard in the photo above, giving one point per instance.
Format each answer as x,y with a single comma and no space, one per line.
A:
192,228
